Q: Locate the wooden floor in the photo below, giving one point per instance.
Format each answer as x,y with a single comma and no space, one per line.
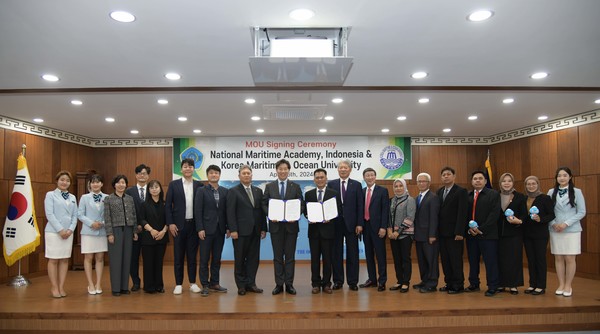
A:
31,309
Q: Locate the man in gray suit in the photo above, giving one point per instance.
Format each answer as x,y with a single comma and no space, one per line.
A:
426,235
283,233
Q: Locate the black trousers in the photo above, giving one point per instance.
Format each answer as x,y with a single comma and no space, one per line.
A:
185,246
375,248
246,253
451,253
401,249
134,271
510,261
427,257
320,248
153,256
476,248
536,261
341,234
211,249
284,255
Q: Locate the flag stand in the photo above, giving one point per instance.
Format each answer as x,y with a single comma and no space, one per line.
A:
20,280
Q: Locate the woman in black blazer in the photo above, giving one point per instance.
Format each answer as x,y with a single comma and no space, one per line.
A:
154,237
536,235
510,243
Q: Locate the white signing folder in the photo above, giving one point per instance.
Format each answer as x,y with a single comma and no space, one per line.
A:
284,210
320,212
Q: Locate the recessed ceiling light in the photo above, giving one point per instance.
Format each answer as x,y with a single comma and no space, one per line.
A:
322,130
480,15
447,130
260,130
302,14
543,118
38,120
250,101
134,132
424,100
255,118
328,118
539,75
472,118
508,100
401,118
182,118
172,76
163,101
337,100
50,77
597,101
197,131
122,16
419,75
385,130
76,102
109,119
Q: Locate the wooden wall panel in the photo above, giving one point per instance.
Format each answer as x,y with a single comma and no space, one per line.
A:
589,154
2,156
591,230
38,160
431,159
12,147
568,149
456,157
4,194
543,155
588,264
590,187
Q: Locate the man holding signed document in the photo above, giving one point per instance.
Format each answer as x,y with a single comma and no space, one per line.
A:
283,204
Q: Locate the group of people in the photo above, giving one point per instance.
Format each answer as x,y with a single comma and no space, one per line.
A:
494,224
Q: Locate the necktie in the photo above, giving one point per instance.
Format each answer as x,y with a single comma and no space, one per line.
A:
367,213
343,190
97,198
320,198
562,192
419,200
216,194
249,192
445,193
142,194
65,195
475,202
282,190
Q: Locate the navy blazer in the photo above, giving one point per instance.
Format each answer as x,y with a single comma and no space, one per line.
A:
175,202
323,230
379,209
208,216
292,191
486,212
134,192
353,203
426,217
453,217
244,216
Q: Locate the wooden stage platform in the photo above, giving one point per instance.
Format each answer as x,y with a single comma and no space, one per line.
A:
31,309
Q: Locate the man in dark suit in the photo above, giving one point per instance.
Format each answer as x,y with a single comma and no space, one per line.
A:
348,227
377,211
484,209
139,193
247,222
320,235
453,222
426,235
283,233
179,212
210,216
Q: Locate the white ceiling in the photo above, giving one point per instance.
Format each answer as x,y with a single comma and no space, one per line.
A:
118,69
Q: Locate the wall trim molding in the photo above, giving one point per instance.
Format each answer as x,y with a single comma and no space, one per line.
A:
528,131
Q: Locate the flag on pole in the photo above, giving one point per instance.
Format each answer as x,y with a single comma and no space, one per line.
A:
488,170
21,233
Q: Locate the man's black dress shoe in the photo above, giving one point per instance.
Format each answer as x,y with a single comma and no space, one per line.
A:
418,286
278,289
367,284
455,291
135,287
241,292
472,288
427,289
444,288
160,290
125,292
254,289
353,287
116,294
381,288
491,293
290,289
337,286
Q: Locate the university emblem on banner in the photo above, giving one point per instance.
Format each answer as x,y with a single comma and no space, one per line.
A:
391,157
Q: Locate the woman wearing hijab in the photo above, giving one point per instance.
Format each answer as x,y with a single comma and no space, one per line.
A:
536,235
401,233
565,228
510,243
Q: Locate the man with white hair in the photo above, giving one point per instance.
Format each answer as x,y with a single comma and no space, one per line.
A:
426,235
